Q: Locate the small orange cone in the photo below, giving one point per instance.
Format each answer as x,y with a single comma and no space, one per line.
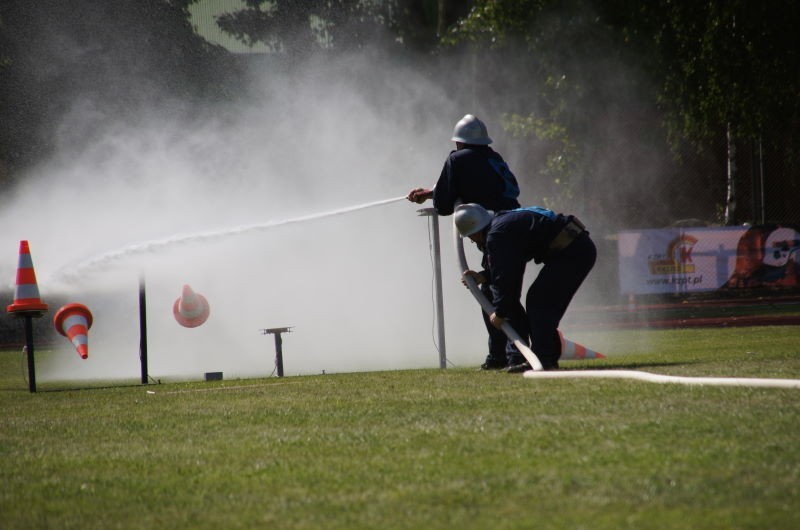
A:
191,309
73,321
573,350
26,292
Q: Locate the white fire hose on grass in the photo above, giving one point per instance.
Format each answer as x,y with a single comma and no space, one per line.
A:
539,373
659,378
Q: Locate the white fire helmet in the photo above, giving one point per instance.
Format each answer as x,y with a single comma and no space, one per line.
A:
471,130
471,218
780,245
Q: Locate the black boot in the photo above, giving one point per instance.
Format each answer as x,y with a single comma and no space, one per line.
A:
494,363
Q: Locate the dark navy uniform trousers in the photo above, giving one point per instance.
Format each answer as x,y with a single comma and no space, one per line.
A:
550,294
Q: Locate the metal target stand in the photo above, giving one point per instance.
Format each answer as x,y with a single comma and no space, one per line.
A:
278,346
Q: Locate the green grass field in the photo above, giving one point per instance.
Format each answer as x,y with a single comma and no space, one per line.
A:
419,449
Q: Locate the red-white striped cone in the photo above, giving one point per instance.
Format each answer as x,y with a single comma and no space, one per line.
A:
73,321
191,309
572,350
26,292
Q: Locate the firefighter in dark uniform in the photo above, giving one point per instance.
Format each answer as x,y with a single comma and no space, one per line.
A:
509,240
475,173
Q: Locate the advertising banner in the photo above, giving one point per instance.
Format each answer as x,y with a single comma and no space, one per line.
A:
680,260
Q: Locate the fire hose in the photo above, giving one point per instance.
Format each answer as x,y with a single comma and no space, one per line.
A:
487,307
539,373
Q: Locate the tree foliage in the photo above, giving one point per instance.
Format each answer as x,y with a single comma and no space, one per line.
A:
584,86
308,26
713,62
293,27
566,52
709,66
102,60
735,62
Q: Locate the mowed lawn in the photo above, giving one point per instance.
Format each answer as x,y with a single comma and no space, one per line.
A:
419,449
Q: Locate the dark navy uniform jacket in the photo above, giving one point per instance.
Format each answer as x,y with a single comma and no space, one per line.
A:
513,239
475,174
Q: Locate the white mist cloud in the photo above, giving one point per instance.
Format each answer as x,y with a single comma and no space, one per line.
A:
357,287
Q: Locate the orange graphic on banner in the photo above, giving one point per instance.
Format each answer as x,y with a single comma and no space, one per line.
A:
678,259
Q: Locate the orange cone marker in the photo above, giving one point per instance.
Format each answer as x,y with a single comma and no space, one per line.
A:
191,309
573,350
26,292
73,321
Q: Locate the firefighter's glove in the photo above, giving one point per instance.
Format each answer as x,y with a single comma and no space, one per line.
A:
419,195
477,276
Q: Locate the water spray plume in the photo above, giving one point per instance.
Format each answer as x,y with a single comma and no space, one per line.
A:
106,260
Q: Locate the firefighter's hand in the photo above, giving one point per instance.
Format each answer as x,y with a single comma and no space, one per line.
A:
496,320
477,276
419,195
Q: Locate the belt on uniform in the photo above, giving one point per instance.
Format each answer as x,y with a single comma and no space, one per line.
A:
567,235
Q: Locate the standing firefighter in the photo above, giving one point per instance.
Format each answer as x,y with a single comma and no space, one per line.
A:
475,173
509,240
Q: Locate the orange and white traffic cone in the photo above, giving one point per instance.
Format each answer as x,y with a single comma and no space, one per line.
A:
572,350
191,309
26,292
73,321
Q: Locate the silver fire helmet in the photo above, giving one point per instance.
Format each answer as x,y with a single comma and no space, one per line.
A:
471,218
471,130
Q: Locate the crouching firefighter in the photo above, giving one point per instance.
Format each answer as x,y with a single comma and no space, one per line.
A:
509,240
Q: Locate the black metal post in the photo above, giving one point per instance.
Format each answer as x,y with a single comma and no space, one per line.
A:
143,328
279,354
278,346
29,348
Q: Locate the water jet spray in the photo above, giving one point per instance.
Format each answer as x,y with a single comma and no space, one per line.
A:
105,260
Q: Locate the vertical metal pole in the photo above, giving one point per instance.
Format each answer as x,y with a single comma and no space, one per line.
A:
278,346
143,328
29,348
437,274
437,263
730,196
754,194
763,211
279,354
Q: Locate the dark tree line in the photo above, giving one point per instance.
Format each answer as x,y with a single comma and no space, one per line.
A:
716,82
97,58
589,90
310,25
